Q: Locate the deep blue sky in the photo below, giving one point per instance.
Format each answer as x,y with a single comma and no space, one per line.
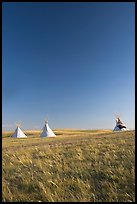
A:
73,63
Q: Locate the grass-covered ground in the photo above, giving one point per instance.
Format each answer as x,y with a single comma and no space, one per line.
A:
90,166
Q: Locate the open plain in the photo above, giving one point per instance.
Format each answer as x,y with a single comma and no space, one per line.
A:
77,165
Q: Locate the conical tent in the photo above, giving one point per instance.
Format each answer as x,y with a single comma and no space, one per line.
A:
119,125
18,133
47,132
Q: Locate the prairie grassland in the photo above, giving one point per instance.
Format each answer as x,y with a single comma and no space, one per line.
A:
90,166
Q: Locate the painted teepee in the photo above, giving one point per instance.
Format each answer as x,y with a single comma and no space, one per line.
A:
119,125
47,132
18,133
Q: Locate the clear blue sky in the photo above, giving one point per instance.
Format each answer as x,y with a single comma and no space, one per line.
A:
73,63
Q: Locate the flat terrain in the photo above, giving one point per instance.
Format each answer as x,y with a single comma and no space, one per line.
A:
77,165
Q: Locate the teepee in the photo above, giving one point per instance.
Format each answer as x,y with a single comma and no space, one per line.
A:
18,133
119,125
47,132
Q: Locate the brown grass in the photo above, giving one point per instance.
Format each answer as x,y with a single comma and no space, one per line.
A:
88,166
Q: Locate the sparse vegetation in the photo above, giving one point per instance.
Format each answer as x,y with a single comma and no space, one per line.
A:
90,166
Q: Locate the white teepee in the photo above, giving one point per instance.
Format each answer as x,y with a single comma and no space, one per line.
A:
47,132
18,133
119,125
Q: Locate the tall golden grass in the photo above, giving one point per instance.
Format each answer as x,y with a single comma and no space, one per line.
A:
90,166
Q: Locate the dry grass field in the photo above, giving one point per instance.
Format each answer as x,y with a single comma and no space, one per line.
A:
77,165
